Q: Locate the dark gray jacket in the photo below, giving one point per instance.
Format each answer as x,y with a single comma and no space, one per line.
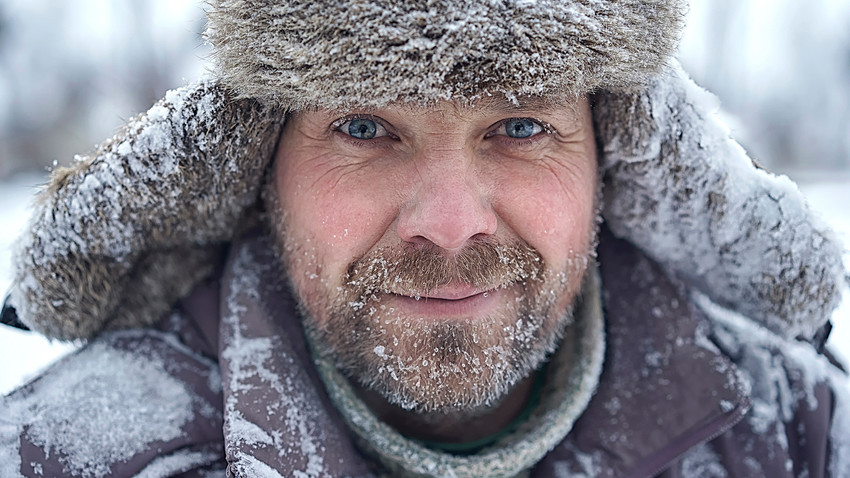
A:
681,394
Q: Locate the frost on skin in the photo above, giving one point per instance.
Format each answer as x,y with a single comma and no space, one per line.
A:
122,401
457,366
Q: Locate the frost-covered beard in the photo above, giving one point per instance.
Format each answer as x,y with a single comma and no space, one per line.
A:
459,365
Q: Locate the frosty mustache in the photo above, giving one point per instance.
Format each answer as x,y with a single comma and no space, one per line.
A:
416,270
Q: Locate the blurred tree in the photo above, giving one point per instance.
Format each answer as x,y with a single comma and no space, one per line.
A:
72,72
782,69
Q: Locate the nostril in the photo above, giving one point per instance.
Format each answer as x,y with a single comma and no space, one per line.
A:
446,224
418,241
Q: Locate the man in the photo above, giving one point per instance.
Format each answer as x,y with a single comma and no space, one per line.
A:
502,239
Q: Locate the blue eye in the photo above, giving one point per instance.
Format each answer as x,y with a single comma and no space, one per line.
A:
362,128
521,128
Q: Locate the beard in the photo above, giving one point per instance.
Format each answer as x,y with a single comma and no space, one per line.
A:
461,366
457,365
451,365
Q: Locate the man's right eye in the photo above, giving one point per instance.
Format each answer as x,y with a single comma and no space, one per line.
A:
362,128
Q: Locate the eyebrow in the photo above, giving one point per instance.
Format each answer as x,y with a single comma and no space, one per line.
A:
523,104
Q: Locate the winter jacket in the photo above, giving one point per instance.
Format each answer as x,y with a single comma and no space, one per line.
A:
226,383
698,356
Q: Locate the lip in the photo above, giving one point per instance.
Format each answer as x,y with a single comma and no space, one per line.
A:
455,292
450,302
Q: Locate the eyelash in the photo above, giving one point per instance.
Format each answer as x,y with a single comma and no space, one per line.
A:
361,143
546,129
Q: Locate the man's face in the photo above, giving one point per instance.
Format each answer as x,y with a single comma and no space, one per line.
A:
437,251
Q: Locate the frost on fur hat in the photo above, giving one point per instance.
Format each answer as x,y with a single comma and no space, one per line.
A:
121,235
682,190
300,54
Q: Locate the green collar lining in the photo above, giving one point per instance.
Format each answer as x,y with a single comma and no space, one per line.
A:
470,448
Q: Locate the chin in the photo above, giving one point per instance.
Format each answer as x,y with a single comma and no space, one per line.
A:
446,365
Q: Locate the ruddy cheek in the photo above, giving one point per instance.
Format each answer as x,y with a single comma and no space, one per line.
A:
551,218
341,220
572,224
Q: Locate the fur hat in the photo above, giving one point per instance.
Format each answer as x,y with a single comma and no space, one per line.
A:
119,237
300,54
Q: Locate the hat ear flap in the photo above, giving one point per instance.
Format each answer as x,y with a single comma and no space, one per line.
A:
120,236
678,187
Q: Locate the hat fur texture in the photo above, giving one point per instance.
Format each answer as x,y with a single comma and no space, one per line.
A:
116,239
299,54
119,237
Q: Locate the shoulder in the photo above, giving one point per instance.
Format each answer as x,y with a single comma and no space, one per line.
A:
800,405
124,402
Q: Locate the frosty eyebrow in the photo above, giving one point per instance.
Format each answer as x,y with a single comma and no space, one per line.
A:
525,105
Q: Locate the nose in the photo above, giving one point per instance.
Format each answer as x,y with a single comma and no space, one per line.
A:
448,206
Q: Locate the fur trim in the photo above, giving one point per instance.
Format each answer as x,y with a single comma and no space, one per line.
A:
371,53
117,238
678,187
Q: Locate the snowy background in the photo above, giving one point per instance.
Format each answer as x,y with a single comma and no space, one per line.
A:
71,73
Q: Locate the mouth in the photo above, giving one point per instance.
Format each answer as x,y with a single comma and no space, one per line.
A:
450,301
452,292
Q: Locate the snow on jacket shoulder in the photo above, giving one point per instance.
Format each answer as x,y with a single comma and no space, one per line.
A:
130,403
680,395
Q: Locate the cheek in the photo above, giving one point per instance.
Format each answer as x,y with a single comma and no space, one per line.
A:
551,207
333,215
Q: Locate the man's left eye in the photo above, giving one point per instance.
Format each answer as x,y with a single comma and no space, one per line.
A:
363,128
518,128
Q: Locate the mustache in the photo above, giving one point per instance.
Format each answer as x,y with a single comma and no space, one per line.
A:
414,270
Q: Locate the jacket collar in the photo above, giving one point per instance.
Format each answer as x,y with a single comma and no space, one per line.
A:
664,387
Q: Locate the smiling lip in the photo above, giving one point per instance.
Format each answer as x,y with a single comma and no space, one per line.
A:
454,292
451,301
